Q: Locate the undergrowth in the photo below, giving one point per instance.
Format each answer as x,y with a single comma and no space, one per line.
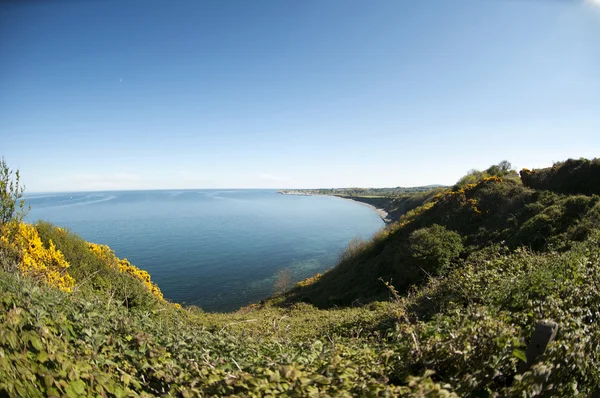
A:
441,304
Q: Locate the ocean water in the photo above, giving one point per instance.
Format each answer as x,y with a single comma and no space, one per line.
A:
218,249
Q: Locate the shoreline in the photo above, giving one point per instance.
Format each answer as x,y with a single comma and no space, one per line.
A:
382,213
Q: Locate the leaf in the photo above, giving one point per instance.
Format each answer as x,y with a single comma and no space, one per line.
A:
42,356
75,388
36,342
52,393
520,354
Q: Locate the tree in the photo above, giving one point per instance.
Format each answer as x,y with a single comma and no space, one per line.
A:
12,206
505,166
501,169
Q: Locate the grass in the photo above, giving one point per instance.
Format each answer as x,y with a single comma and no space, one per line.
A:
403,314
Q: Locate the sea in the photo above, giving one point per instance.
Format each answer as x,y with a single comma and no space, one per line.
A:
217,249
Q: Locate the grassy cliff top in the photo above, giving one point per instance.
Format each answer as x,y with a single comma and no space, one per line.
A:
441,303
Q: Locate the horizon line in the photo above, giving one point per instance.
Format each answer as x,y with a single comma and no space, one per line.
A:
229,188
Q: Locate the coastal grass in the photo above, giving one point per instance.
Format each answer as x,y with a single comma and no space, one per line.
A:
494,210
463,334
442,303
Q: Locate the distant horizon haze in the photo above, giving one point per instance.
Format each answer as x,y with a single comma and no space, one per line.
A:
35,193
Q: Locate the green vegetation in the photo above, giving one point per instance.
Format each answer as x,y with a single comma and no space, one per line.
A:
572,177
12,206
394,201
398,205
441,303
362,192
435,247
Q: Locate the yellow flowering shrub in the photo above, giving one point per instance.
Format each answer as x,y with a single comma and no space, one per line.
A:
309,281
409,217
492,178
463,195
473,204
34,260
107,255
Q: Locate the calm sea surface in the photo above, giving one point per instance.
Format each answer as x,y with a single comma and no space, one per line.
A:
218,249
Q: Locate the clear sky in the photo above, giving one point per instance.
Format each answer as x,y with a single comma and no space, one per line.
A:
100,95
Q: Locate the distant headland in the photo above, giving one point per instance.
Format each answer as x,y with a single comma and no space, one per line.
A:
389,203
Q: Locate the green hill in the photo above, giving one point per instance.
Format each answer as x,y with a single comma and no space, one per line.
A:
441,303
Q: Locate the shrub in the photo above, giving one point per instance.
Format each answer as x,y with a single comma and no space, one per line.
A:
435,247
500,170
574,176
12,207
105,253
101,272
33,259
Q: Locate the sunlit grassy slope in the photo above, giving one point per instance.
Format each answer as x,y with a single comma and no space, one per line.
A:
441,303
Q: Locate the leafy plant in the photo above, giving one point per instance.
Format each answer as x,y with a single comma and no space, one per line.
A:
12,206
525,255
435,247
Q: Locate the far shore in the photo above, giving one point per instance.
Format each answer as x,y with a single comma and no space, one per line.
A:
380,212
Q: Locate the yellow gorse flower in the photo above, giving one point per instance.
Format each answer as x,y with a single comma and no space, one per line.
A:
107,255
309,281
34,260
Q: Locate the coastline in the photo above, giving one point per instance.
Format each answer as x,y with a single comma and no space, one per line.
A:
382,213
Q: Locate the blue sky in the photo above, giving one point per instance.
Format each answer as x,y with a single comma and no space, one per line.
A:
101,95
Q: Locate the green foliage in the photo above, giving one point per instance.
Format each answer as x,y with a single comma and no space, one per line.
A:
502,169
515,290
499,170
525,256
397,205
435,247
12,206
55,344
396,202
574,176
492,211
364,192
460,335
93,275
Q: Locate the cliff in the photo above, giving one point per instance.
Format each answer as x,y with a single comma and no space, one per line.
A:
442,302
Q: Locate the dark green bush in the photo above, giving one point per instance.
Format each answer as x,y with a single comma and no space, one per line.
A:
435,247
574,176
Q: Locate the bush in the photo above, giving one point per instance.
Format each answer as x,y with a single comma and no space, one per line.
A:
12,207
97,270
435,247
34,259
574,176
502,169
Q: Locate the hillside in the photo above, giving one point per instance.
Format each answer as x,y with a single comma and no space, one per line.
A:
394,201
441,303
